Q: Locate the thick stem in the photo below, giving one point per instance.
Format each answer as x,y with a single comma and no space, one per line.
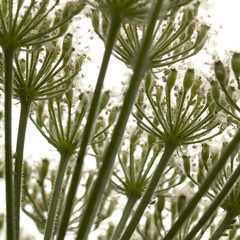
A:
100,184
25,107
168,151
113,33
49,229
215,204
223,226
231,147
8,80
132,199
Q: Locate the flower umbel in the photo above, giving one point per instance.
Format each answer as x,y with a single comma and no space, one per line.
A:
180,116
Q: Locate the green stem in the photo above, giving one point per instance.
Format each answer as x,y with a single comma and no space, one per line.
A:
49,229
97,191
25,107
8,80
132,199
113,33
231,147
215,204
168,151
223,226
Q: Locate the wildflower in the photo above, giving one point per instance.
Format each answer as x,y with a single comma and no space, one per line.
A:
190,119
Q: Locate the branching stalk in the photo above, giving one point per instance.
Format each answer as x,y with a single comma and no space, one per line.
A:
113,33
215,204
230,148
49,230
25,107
100,184
132,199
223,226
8,53
168,151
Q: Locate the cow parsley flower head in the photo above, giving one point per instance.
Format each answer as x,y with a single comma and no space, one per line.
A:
129,10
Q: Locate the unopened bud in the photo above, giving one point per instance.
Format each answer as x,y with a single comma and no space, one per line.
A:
236,64
171,80
113,115
195,87
188,79
215,92
67,44
181,203
84,100
220,72
104,100
186,164
201,38
160,204
44,170
95,20
148,81
79,62
205,153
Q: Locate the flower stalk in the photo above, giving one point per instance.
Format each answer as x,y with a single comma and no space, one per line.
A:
111,151
24,114
8,53
113,32
230,148
168,151
227,221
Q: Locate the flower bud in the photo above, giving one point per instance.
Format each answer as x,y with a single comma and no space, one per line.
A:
57,18
89,181
22,64
40,108
186,164
200,175
69,96
160,204
67,44
104,100
84,100
159,94
69,11
215,92
95,20
205,153
26,172
201,38
44,170
171,80
112,116
195,87
134,136
151,140
181,203
148,81
188,79
110,230
220,72
79,62
236,65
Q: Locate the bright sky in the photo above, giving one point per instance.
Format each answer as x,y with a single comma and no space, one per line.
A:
225,14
